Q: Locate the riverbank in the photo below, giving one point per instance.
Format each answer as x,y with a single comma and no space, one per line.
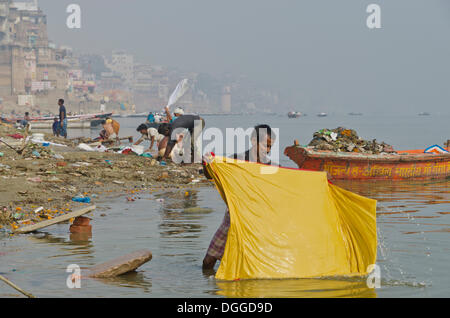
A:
48,182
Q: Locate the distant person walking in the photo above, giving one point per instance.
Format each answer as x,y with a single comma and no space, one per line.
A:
62,118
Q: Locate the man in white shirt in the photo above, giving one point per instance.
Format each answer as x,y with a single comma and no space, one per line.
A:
149,132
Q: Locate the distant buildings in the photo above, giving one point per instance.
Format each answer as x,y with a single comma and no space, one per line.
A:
123,63
35,71
226,100
28,64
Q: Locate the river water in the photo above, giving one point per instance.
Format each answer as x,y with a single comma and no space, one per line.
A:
413,229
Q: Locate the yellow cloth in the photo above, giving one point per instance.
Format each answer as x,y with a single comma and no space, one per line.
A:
292,224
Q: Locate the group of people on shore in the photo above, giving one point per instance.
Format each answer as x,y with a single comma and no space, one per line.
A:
173,134
170,135
161,134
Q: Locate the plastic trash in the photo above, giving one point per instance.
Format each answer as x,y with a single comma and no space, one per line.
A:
38,209
84,147
147,155
163,163
46,144
57,156
333,136
36,154
82,200
1,154
101,148
138,149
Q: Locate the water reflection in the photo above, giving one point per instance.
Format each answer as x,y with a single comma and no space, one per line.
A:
413,225
180,214
135,280
75,246
289,288
406,200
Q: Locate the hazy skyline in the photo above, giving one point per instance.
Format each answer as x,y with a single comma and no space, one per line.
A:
319,52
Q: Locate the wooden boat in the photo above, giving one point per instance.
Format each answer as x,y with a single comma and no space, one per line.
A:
76,121
405,165
71,123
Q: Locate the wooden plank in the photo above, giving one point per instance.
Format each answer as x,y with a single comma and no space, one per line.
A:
120,265
59,219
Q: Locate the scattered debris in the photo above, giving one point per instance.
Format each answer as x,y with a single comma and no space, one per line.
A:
347,140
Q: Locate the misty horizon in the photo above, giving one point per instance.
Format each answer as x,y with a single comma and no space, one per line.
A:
319,56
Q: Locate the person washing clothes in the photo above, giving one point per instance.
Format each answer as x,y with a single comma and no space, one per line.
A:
181,123
262,139
149,132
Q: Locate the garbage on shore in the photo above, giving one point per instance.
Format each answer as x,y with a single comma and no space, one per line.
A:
346,140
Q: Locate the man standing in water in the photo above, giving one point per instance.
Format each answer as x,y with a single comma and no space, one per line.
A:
262,139
62,118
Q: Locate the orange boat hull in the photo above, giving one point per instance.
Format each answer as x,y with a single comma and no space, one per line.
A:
351,166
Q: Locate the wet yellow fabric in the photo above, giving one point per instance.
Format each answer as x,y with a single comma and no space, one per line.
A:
292,224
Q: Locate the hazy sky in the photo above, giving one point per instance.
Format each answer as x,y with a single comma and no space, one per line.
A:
320,52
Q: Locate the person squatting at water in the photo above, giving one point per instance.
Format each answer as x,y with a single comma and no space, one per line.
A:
110,130
177,127
149,132
262,139
26,119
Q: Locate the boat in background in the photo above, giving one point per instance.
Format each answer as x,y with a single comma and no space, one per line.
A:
295,114
424,114
355,114
75,121
404,165
322,115
71,124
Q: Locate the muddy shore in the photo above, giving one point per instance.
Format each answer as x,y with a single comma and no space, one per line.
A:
49,181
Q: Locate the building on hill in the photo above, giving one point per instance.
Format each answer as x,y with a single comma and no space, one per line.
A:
28,63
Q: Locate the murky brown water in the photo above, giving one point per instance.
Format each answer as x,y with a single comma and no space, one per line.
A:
413,231
413,253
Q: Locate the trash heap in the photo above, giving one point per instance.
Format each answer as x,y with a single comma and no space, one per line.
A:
347,140
37,151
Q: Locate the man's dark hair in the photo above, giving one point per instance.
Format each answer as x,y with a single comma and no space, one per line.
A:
61,101
103,122
164,129
141,127
261,131
27,113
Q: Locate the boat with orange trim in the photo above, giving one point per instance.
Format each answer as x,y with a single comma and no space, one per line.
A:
403,165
